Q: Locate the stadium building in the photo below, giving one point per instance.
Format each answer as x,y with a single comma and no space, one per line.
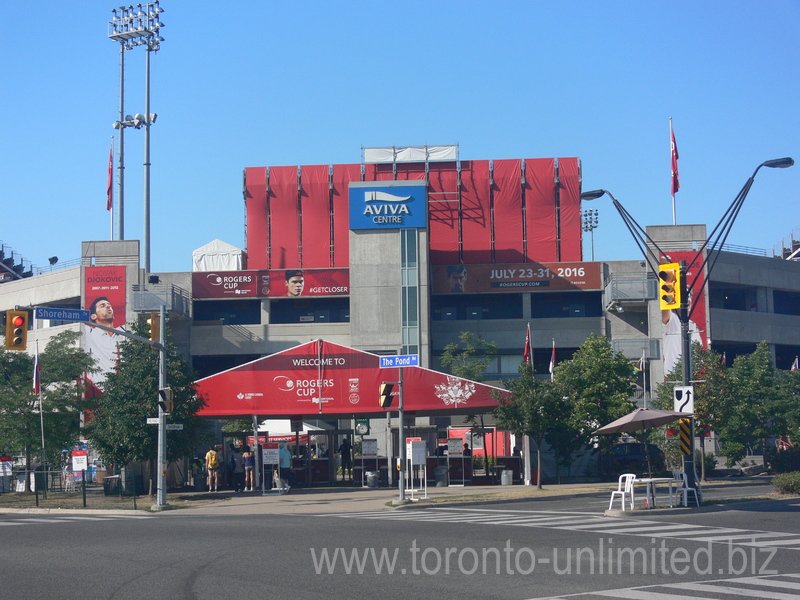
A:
398,255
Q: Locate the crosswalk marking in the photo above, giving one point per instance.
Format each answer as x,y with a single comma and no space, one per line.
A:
69,519
591,524
757,587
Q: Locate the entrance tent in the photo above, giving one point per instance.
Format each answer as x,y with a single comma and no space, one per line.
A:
217,256
321,379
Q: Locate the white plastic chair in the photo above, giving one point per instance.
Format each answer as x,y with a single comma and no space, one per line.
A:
624,490
683,489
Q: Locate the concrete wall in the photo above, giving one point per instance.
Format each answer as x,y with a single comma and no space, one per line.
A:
219,340
375,280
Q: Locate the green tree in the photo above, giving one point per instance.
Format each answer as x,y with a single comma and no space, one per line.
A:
599,385
61,367
748,411
534,408
710,388
119,430
469,359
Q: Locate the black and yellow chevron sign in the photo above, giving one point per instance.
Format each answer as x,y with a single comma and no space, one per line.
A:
686,436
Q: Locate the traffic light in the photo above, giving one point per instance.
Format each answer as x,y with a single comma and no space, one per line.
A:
386,395
155,327
16,329
165,400
670,291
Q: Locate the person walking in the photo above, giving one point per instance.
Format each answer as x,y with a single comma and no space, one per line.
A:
284,468
238,471
249,459
346,451
212,468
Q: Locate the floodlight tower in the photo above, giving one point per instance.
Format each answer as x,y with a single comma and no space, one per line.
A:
136,26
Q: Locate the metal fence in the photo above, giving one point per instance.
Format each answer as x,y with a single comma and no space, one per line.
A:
64,489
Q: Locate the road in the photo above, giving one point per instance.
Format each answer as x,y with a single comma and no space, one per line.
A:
493,550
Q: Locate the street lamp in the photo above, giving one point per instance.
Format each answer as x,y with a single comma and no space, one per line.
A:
131,27
589,222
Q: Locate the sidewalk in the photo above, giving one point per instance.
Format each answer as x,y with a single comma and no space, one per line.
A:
336,500
355,499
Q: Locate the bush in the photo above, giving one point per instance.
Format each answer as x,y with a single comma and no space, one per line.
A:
787,483
785,461
711,461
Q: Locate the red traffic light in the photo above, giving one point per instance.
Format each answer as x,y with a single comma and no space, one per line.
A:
17,321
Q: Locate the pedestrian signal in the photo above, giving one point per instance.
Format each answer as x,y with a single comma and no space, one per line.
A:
386,395
670,286
16,330
166,399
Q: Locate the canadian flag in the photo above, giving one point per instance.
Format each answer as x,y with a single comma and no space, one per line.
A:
526,352
110,187
553,361
676,184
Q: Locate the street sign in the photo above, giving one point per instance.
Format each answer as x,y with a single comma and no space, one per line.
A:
62,314
404,360
152,420
174,426
683,399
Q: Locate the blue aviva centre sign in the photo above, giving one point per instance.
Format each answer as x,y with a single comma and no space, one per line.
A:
388,205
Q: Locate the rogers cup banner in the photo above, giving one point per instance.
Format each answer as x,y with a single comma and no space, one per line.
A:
260,284
516,277
321,377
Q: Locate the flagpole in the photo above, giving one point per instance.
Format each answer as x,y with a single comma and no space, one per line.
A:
37,388
110,191
644,376
674,164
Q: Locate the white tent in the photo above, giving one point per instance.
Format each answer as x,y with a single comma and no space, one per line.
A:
217,256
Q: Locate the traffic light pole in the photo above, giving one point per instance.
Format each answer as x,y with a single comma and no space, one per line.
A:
686,371
402,441
161,496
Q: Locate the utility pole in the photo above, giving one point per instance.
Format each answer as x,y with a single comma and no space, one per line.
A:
161,495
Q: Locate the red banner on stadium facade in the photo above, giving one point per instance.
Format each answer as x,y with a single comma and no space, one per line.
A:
516,277
260,284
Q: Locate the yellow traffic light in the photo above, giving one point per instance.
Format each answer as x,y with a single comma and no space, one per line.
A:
669,294
386,395
155,327
16,330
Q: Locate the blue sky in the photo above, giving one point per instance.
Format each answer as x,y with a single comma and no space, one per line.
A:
254,83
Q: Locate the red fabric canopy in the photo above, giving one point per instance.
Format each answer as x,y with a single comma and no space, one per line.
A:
323,378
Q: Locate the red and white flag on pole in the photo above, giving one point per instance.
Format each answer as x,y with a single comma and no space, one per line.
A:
795,365
36,372
526,351
553,360
676,184
110,187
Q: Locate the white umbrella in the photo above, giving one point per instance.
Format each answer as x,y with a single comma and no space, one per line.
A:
643,418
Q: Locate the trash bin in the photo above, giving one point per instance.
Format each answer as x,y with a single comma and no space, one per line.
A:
200,482
506,477
111,485
442,476
373,478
